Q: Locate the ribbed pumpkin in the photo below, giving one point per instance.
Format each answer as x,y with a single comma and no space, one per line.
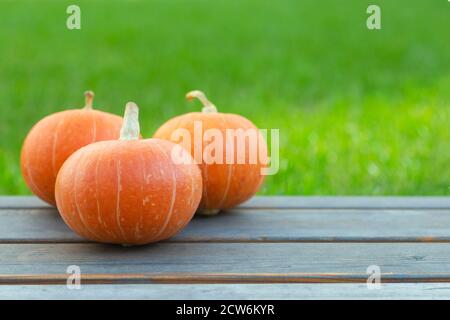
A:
225,184
54,138
128,191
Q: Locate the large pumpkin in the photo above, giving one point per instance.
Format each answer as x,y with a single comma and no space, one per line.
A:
54,138
128,191
225,183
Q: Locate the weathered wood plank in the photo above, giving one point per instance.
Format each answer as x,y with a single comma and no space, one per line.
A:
22,202
230,262
229,291
34,225
268,225
349,202
311,202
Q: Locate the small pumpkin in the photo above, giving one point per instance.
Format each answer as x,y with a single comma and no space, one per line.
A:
128,191
225,183
54,138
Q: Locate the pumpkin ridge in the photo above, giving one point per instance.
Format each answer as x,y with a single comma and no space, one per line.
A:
55,141
230,167
30,172
77,207
173,197
94,127
100,215
119,187
139,223
180,125
192,187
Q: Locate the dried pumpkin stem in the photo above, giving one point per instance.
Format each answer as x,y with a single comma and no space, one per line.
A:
130,128
208,107
89,98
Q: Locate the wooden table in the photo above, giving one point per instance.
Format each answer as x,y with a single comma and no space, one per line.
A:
268,248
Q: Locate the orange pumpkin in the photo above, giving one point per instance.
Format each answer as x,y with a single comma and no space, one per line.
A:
54,138
128,191
226,183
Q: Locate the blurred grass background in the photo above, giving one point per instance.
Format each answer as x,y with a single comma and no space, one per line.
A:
359,111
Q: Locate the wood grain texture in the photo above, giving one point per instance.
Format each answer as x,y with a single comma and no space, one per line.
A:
22,202
214,278
262,225
229,291
349,202
290,247
293,202
231,262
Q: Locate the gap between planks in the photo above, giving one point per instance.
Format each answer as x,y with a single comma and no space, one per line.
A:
291,202
206,278
256,241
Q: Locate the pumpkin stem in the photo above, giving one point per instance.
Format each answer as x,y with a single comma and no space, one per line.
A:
89,98
208,107
130,128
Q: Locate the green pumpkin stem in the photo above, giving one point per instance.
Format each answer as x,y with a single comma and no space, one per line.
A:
130,128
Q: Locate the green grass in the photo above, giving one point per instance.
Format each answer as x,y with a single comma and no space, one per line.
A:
359,111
